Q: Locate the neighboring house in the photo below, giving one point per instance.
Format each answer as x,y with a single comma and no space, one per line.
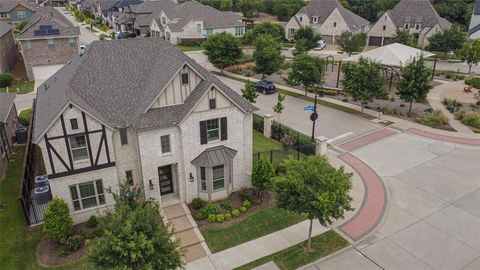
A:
474,28
419,17
9,54
137,18
327,17
162,121
193,21
112,9
16,11
48,42
8,126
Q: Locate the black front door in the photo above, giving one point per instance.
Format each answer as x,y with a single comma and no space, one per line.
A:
165,179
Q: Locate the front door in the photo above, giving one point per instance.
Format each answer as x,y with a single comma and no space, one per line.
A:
165,178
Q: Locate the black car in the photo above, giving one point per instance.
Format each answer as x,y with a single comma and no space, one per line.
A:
122,35
266,87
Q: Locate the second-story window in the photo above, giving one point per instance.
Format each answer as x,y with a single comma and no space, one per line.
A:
123,136
212,103
78,147
51,44
384,27
417,26
300,18
199,28
213,130
165,144
334,24
164,20
184,78
74,123
21,14
406,26
315,19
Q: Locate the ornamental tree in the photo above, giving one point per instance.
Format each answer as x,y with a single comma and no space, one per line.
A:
314,188
404,37
278,107
470,53
262,174
350,42
250,92
363,80
58,223
414,83
222,50
305,40
264,28
308,71
446,41
268,55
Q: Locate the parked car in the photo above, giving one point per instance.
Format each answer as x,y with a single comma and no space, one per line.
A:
266,87
320,45
122,35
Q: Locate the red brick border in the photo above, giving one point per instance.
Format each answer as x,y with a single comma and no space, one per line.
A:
366,139
444,138
371,211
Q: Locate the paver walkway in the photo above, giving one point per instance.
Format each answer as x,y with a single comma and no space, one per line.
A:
366,139
444,138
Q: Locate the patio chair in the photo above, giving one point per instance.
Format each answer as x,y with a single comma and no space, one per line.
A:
467,89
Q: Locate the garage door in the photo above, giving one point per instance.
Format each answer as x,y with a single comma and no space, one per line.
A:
328,39
375,41
44,72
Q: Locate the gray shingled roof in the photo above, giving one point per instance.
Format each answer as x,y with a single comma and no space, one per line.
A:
476,10
145,12
116,81
6,102
4,28
211,17
7,6
214,156
49,16
411,11
323,8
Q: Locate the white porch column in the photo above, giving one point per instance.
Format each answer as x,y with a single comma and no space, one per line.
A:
267,125
321,145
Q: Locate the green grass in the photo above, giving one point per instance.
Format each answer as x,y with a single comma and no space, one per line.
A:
262,143
190,48
23,87
19,243
298,255
263,222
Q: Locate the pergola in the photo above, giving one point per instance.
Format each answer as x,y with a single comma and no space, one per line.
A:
391,57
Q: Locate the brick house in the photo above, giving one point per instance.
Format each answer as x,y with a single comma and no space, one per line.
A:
9,54
327,17
162,121
8,126
48,42
16,11
419,17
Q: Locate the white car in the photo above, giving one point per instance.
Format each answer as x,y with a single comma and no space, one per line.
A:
320,45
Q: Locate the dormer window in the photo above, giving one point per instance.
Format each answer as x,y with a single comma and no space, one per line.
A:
417,26
74,123
315,19
384,27
184,78
164,20
406,26
212,103
300,18
334,24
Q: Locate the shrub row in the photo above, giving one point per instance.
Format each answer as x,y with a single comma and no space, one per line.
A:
212,212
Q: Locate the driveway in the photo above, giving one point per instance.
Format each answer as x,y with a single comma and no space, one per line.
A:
432,219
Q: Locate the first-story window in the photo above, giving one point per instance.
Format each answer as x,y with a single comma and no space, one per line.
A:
129,175
78,147
218,177
209,32
203,179
165,144
87,195
239,31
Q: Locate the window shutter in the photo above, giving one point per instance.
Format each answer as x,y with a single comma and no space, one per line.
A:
223,128
203,132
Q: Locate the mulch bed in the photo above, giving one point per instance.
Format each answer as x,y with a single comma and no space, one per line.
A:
266,201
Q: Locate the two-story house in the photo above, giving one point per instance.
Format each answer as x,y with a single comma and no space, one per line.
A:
162,121
193,21
48,42
8,125
16,11
328,18
419,17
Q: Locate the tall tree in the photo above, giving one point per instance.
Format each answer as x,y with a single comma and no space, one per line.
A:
250,92
350,42
278,107
249,7
402,36
314,188
265,28
414,83
308,71
446,41
134,236
268,55
470,53
222,50
305,40
226,5
363,80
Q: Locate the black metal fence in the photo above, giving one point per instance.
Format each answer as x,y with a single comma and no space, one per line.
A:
277,156
32,206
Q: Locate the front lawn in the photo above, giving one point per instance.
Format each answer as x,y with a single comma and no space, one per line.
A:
263,144
23,87
298,255
190,48
19,243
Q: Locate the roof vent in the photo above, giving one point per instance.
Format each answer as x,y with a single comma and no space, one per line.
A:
83,48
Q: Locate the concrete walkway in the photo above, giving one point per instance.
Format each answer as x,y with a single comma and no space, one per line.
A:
434,98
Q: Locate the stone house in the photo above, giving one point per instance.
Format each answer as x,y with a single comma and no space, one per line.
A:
162,121
16,11
474,27
193,21
419,17
327,17
48,42
8,126
9,54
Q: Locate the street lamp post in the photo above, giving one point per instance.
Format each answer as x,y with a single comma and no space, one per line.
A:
314,115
